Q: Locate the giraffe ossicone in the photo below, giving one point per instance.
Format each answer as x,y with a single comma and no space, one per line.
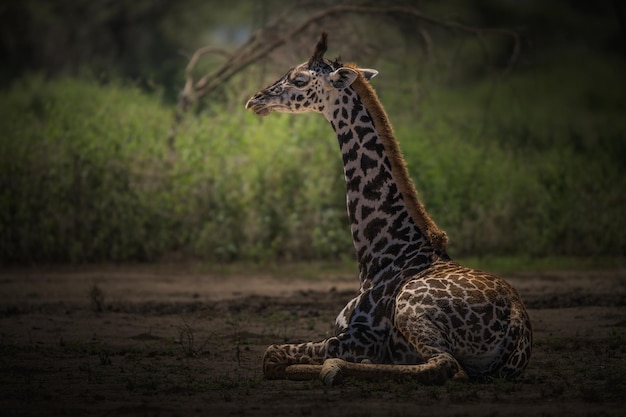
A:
417,314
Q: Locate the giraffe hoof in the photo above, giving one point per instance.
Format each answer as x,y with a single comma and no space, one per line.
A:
331,372
275,363
460,376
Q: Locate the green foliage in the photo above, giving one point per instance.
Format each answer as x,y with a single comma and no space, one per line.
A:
527,165
67,153
530,164
257,189
86,175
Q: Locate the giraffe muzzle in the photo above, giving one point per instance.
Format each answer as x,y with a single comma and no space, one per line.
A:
258,105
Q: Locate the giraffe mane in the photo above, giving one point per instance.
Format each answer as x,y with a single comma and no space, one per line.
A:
416,209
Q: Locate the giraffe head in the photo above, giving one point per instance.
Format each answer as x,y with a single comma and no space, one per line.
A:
308,87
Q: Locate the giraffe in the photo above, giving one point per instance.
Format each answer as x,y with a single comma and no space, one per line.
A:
418,314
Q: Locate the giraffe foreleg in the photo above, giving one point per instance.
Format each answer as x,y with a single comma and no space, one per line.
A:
304,360
294,361
435,371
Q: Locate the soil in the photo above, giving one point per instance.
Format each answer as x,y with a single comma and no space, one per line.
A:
177,340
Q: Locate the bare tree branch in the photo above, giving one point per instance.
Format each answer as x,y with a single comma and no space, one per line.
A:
427,41
256,48
189,89
265,40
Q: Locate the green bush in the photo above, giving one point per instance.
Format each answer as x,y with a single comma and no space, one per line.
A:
531,165
68,151
86,175
255,188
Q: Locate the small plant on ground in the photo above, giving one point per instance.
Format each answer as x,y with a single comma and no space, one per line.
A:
187,339
96,298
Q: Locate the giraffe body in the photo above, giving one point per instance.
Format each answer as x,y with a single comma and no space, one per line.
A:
417,314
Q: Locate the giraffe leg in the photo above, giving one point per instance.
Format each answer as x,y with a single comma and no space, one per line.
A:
276,365
294,361
304,361
519,350
436,370
303,372
275,362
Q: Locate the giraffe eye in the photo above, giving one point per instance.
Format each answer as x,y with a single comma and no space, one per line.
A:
299,82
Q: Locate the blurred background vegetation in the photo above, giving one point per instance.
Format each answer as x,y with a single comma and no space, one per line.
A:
522,159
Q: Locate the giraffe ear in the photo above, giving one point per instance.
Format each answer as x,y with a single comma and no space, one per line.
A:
342,77
368,73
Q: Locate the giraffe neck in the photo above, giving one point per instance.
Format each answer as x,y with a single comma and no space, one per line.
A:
388,222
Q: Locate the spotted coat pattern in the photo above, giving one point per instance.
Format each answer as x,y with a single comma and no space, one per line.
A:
417,314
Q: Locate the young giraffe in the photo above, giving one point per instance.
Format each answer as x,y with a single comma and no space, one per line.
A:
418,314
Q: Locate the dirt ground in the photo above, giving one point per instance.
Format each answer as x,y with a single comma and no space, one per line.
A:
177,340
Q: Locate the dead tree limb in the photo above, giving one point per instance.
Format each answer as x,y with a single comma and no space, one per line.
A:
188,93
264,41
